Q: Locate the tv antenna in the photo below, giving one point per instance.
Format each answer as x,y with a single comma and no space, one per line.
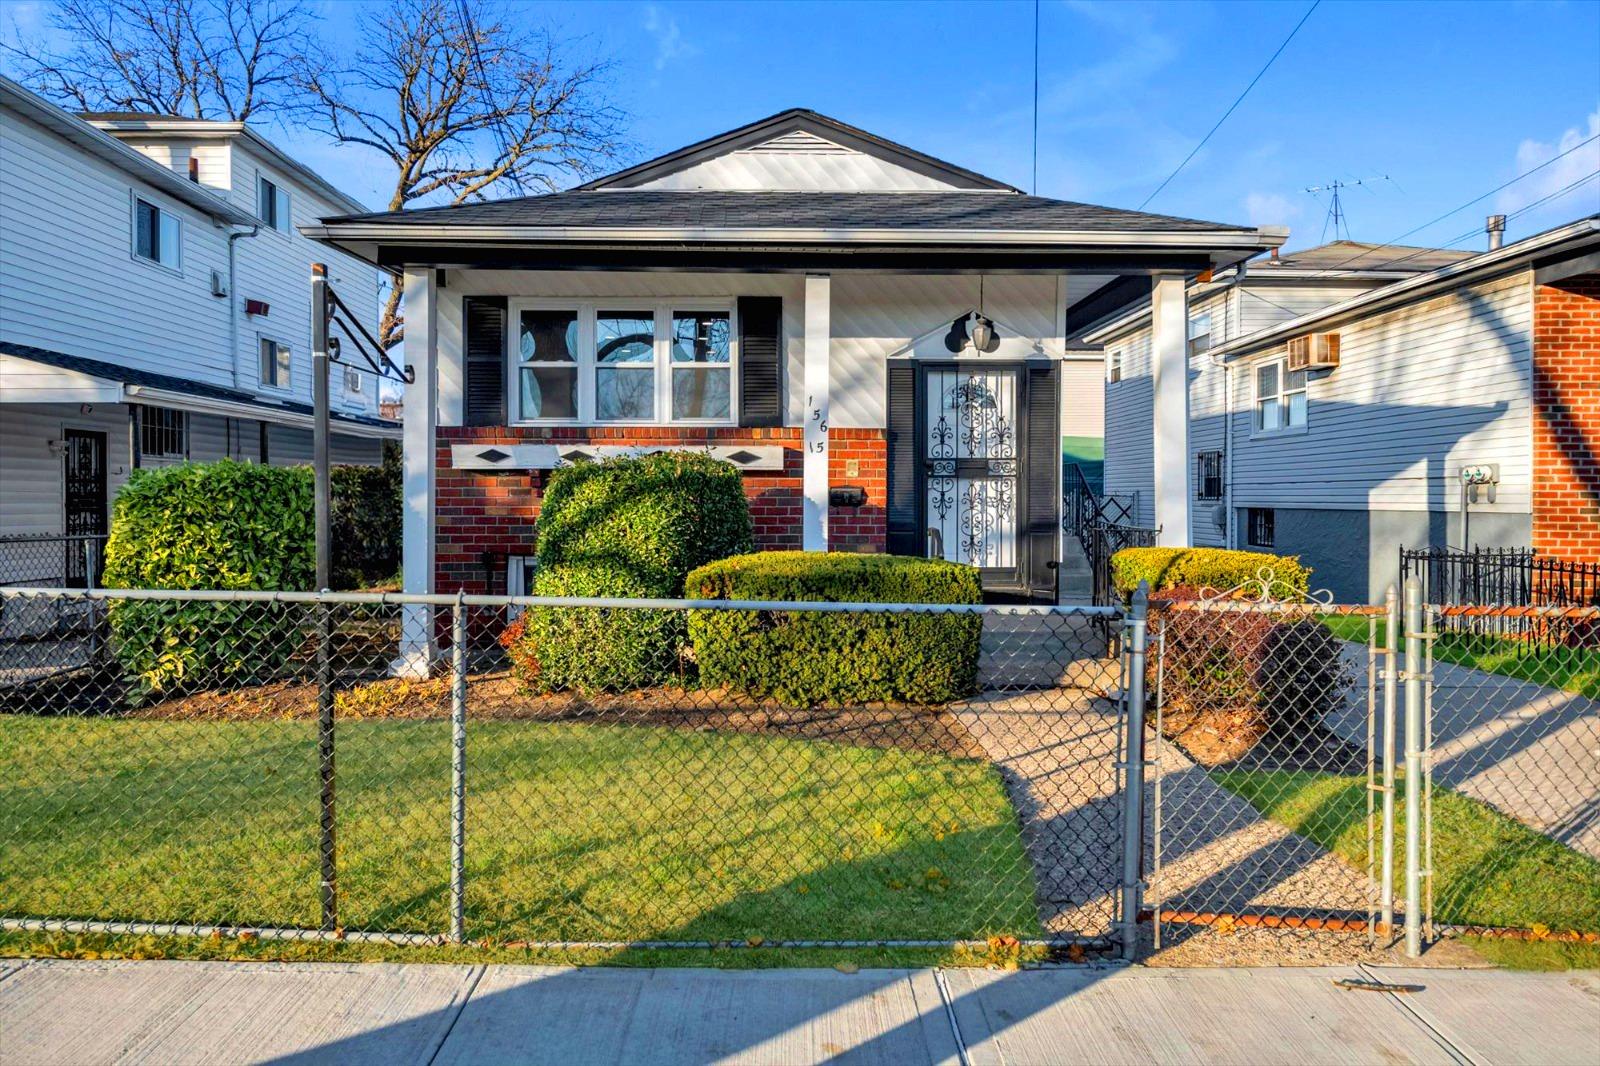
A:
1336,216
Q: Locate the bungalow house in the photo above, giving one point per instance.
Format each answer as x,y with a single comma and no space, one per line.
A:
875,337
154,307
1363,404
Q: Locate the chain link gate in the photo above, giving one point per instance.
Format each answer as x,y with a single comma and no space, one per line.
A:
1269,783
399,769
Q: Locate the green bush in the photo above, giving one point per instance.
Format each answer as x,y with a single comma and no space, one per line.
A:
1214,569
221,525
365,522
814,658
627,528
656,516
594,649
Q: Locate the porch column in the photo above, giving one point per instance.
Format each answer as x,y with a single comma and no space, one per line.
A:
1169,362
814,520
420,414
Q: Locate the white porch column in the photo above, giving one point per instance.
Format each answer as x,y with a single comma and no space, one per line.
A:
420,414
1169,361
814,522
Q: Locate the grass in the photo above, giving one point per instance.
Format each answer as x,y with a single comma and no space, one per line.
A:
575,832
1576,670
1489,869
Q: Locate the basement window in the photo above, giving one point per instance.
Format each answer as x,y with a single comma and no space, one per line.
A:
1260,527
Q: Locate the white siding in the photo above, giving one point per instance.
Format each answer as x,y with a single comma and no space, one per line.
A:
798,161
31,478
1420,392
1259,306
291,446
68,275
1083,402
1130,422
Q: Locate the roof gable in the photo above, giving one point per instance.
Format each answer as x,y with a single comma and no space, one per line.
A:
798,151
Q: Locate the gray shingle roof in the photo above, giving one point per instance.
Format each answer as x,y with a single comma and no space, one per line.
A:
653,208
1360,255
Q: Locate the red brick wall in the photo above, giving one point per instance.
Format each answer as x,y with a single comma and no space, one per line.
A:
1566,418
481,513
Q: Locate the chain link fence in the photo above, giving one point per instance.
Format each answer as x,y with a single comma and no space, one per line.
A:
563,772
1512,769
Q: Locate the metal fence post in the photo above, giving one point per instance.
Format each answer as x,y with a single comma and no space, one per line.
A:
1414,711
1133,775
458,771
1391,673
329,860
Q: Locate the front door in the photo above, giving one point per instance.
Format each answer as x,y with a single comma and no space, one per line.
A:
971,461
84,490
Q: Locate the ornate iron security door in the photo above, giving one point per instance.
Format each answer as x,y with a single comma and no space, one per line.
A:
972,461
84,496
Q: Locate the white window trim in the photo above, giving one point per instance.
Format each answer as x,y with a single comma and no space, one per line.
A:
1115,358
262,386
164,211
284,205
1282,363
1194,334
587,309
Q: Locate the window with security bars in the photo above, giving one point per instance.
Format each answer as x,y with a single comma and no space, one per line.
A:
1260,523
1208,475
163,433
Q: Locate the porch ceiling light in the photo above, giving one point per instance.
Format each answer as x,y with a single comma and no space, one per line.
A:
982,333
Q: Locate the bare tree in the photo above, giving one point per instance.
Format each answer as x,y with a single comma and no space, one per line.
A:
212,59
466,103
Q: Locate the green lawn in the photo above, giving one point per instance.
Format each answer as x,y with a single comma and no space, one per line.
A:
1573,669
575,831
1489,870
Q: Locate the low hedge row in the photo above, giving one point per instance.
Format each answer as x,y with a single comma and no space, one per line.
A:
812,658
1213,569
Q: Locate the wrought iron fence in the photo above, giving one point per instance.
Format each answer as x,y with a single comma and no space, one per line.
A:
1103,541
564,772
1502,577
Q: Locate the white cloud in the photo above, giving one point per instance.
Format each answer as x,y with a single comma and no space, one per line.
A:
1270,209
663,29
1558,175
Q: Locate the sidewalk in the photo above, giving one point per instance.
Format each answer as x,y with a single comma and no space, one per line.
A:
99,1012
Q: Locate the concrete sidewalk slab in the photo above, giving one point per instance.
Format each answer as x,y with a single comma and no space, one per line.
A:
215,1012
1553,1017
697,1016
1183,1016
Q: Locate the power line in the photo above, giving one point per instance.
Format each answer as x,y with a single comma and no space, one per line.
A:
1457,210
1259,74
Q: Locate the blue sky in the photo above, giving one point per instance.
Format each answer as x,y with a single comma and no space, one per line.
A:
1448,100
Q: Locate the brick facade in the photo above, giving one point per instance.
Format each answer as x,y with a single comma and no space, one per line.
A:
1566,418
484,516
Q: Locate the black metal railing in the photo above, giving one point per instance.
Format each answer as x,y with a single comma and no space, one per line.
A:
1104,524
1105,540
1502,577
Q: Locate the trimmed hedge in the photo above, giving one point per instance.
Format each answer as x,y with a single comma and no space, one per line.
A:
366,521
592,649
221,525
627,528
1214,569
814,658
655,516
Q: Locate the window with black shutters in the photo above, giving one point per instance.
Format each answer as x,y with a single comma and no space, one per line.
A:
1259,527
1208,475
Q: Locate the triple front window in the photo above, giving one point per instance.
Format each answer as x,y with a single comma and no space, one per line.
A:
622,362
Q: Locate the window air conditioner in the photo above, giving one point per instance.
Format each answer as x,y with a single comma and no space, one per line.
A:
1315,351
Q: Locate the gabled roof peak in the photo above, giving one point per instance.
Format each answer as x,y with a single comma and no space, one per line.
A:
801,120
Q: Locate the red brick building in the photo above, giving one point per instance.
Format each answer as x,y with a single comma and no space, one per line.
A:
1566,417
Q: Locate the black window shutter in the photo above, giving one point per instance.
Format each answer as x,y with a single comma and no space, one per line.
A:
1041,466
760,360
905,510
484,322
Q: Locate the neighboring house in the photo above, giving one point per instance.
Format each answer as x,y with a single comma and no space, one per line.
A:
797,295
155,307
1488,363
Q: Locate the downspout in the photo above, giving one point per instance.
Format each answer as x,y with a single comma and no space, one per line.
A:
239,377
1231,315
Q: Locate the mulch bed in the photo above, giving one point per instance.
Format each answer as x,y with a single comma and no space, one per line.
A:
497,695
1238,738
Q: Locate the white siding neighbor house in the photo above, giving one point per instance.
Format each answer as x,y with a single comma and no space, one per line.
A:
155,307
874,336
1414,376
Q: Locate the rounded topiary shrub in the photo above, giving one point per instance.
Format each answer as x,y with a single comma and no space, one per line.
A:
1213,569
627,528
594,649
655,516
221,525
813,658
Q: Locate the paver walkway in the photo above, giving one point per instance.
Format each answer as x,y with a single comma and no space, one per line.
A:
1529,750
88,1013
